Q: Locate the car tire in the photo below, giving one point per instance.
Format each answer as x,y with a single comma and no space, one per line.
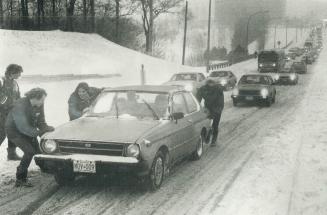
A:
268,102
64,178
157,172
235,103
197,154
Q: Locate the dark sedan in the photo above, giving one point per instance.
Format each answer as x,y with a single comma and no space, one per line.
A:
255,88
287,75
300,67
143,130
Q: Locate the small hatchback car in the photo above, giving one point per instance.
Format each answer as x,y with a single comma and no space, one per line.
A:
224,78
287,75
255,88
143,130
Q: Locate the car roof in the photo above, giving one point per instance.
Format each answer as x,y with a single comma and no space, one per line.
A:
255,74
148,88
186,73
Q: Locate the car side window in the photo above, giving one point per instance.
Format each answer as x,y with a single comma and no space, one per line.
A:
191,104
179,104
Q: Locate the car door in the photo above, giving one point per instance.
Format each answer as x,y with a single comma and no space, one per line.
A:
196,117
182,128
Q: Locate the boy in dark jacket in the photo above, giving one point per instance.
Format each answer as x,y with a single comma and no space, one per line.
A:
213,96
81,99
24,124
9,93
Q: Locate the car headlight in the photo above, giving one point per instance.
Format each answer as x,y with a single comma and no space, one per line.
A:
260,65
189,87
235,92
277,77
133,150
223,82
264,93
292,77
49,146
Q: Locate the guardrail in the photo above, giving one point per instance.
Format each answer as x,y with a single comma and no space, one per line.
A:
219,65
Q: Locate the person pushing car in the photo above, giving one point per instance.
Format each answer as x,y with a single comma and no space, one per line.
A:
9,93
24,124
213,96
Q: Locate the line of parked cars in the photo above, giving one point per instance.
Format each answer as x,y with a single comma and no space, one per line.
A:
144,130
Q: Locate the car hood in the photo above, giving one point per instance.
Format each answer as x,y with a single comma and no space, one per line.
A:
102,130
251,87
179,83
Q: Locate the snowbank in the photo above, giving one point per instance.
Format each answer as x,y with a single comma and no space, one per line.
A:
57,52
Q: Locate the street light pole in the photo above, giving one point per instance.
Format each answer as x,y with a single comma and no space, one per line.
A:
208,42
275,37
185,32
247,27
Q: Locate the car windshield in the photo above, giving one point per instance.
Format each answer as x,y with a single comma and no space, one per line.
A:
298,64
268,57
219,74
184,77
254,79
131,104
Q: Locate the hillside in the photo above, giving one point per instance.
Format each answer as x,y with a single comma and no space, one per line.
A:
57,52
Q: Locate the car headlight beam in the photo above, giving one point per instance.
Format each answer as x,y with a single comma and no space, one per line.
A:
133,150
49,146
292,77
264,93
236,92
223,82
189,87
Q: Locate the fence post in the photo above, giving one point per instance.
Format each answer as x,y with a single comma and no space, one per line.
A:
142,75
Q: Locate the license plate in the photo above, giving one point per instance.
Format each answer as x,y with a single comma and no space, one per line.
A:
249,98
84,166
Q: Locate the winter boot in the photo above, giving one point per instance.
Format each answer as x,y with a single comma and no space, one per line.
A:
23,183
12,155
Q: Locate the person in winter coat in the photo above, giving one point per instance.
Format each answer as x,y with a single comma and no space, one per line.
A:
80,99
9,93
25,122
213,96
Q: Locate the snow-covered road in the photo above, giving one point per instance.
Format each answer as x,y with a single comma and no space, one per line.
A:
269,161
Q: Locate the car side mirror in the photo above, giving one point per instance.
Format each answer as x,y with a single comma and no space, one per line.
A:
177,116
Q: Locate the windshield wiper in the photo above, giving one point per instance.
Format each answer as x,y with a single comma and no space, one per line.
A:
155,115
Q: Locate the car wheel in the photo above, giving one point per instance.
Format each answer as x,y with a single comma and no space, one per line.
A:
268,102
197,154
235,103
64,178
157,172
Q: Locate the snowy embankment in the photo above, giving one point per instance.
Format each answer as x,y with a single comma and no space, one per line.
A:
57,52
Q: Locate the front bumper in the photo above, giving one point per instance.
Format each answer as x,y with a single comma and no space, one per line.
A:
104,164
267,69
249,98
285,81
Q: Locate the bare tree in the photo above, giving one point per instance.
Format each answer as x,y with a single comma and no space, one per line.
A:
24,9
151,9
1,14
70,7
92,15
40,12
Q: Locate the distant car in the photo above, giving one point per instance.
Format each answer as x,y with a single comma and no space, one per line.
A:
307,59
224,78
255,88
191,81
287,75
300,67
142,130
297,51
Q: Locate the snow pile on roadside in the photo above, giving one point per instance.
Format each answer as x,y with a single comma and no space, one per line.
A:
57,52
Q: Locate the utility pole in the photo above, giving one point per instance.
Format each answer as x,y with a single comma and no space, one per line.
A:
208,42
286,34
185,32
296,34
275,36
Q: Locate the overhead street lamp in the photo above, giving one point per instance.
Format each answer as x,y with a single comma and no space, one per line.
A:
247,26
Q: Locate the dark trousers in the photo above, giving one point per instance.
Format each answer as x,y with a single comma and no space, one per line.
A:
3,135
29,146
215,125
